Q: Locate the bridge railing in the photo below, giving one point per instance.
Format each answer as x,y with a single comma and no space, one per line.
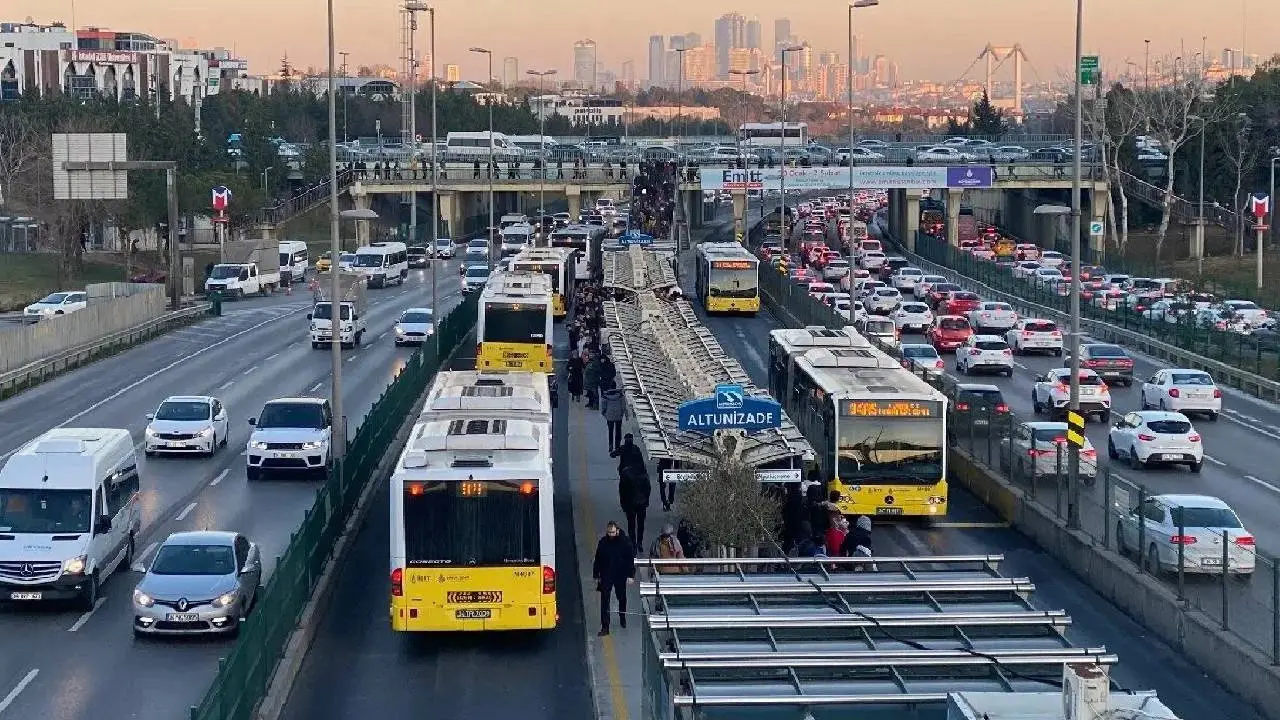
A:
1181,209
304,200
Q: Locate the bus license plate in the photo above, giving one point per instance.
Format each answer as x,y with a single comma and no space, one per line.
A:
473,614
473,596
888,511
25,595
182,617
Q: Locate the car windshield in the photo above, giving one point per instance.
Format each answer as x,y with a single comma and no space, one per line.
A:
1205,517
943,288
417,316
997,307
194,560
292,415
1169,427
880,327
1192,379
915,308
1050,434
55,299
982,396
44,511
919,351
346,257
322,312
369,260
1106,351
183,410
953,324
223,272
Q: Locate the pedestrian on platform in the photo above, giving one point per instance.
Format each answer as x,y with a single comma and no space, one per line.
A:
667,547
574,371
614,568
634,489
613,405
592,376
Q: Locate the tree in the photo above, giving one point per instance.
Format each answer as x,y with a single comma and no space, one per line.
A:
286,69
1236,143
987,120
727,507
956,128
1111,122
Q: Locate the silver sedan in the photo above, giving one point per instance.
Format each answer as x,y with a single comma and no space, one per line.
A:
200,583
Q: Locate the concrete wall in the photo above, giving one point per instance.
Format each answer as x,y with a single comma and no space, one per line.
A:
1220,654
131,305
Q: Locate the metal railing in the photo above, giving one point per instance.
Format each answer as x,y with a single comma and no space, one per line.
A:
15,381
1181,209
288,208
246,672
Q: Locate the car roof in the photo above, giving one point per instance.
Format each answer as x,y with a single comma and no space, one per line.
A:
916,346
1191,500
1088,346
1158,415
307,400
188,398
201,537
977,387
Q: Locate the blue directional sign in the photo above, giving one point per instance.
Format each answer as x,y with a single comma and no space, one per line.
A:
729,409
635,237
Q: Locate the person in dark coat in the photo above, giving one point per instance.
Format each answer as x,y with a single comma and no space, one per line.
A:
614,568
859,537
634,488
574,371
614,408
591,374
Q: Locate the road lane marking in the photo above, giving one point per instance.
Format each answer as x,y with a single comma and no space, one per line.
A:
1263,484
353,357
7,700
246,372
226,384
152,375
381,336
316,386
85,617
185,512
1215,461
220,477
271,357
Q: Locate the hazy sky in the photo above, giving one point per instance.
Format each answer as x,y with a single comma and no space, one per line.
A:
935,39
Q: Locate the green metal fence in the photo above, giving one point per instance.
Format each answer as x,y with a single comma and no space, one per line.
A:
243,675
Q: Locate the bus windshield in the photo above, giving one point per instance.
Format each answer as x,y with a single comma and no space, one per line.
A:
369,260
897,450
468,524
551,270
732,283
515,323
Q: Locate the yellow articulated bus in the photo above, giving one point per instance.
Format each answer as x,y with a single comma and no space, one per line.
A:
513,331
728,278
555,263
878,430
472,522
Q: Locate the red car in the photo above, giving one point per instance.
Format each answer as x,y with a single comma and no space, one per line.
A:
960,303
949,332
939,293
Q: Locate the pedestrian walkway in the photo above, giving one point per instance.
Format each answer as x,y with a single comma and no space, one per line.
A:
615,660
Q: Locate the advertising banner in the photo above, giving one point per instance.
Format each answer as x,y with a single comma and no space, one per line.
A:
834,178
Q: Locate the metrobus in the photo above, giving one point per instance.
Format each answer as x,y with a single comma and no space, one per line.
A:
771,134
557,264
472,523
585,240
878,430
513,330
728,278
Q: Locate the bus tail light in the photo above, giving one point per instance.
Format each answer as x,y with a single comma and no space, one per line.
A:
397,582
548,580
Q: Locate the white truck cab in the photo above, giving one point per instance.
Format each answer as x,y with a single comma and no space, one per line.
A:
69,515
291,435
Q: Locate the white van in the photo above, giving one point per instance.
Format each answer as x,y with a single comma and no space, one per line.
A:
69,515
293,261
383,263
475,145
606,208
515,238
510,219
534,145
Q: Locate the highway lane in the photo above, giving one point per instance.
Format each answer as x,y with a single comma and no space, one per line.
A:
358,668
90,663
972,528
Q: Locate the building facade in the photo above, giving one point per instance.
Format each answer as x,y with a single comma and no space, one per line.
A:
584,64
731,32
657,60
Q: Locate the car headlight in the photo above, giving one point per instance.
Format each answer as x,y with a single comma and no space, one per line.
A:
313,445
75,565
205,432
150,432
142,599
399,330
258,445
224,600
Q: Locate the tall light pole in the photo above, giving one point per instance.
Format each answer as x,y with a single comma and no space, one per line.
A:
679,118
413,7
542,146
1200,202
435,194
853,6
493,167
344,95
744,74
782,172
1073,456
1146,64
337,443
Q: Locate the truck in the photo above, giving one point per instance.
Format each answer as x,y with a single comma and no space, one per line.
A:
248,267
967,229
353,301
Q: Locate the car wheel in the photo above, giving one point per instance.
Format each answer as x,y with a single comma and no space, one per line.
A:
89,596
1213,417
252,473
1196,466
224,441
1145,405
1057,352
1135,462
1111,450
1036,409
213,446
1008,373
1104,417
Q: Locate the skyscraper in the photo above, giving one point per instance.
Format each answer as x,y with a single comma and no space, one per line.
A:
628,77
754,33
692,40
584,64
657,60
731,32
510,71
781,31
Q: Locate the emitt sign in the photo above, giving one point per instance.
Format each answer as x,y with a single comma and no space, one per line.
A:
740,179
730,409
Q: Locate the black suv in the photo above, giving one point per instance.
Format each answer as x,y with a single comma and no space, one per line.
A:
1111,362
977,405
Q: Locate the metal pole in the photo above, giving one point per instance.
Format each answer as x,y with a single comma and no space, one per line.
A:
1271,195
1258,252
344,96
782,146
542,155
1200,208
435,195
175,250
493,166
413,125
849,159
338,442
1073,458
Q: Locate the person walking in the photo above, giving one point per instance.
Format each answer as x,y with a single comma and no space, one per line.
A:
634,488
613,569
592,386
613,405
667,547
574,370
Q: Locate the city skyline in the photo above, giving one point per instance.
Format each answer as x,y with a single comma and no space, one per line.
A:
938,45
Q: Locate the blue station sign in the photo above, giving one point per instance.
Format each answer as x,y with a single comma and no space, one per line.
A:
635,237
729,409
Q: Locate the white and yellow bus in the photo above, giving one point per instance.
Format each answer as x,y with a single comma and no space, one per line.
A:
728,278
472,520
513,330
557,264
880,432
584,241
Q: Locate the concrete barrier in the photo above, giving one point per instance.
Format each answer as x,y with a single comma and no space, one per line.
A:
1220,654
112,307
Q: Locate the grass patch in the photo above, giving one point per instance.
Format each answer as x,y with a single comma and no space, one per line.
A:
27,277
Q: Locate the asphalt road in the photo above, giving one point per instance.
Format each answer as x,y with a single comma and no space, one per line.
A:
1145,664
56,663
358,668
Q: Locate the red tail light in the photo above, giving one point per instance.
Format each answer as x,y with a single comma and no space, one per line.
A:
975,351
1182,539
1175,392
1002,408
1245,541
1193,438
548,580
1056,333
1126,362
1217,393
1089,363
939,364
962,406
397,582
1089,453
1008,352
1035,452
1145,437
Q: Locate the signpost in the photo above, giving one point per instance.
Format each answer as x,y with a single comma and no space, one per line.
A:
764,476
1260,205
635,237
729,409
220,201
1095,228
1089,70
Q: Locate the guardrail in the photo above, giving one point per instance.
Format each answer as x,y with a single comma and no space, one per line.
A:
19,379
246,672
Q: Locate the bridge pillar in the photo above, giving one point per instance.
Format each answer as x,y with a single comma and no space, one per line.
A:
266,231
954,197
739,210
1098,209
361,201
573,194
911,219
451,213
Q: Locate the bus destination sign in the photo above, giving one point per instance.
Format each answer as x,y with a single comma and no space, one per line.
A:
891,408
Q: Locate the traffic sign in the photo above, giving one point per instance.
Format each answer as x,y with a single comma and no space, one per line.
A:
1075,428
1089,70
730,408
1095,228
1259,204
764,476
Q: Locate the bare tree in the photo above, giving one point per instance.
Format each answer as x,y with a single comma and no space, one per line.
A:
23,145
727,506
1241,152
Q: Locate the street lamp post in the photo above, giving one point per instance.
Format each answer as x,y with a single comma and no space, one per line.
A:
542,145
343,70
852,6
493,168
413,7
782,172
1200,202
744,74
338,441
679,118
1073,451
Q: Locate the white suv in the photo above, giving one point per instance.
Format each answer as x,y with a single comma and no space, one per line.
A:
913,316
1052,392
906,278
1035,335
993,316
291,435
1147,437
1184,390
984,352
882,301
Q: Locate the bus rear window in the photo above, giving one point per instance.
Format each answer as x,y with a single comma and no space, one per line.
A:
471,523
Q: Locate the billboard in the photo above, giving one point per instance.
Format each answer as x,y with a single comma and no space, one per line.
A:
834,178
